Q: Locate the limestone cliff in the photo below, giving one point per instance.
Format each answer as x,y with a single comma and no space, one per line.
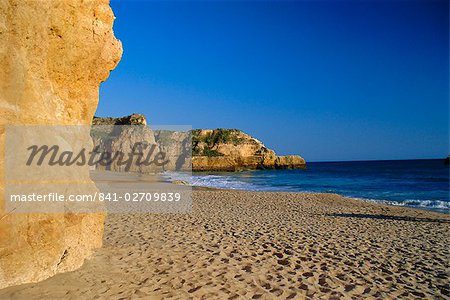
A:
132,136
199,150
177,147
232,149
53,56
120,135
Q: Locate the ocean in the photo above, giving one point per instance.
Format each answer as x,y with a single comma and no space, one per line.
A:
414,183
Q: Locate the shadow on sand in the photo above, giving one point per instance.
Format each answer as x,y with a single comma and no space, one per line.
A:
388,217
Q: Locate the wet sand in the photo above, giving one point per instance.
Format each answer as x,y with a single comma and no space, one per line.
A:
259,245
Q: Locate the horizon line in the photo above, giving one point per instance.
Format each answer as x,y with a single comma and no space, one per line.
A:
374,160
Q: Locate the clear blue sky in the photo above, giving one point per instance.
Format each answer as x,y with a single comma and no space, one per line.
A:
329,80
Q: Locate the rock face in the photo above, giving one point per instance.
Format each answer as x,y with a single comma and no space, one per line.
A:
290,162
232,150
53,56
177,147
119,135
124,140
108,136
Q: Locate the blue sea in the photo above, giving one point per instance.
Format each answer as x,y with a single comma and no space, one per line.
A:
414,183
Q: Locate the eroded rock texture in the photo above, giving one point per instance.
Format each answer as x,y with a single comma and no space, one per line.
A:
53,56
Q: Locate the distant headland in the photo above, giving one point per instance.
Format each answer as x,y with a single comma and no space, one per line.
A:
216,149
234,150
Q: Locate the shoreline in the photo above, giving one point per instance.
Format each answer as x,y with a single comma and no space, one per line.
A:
370,201
260,245
105,176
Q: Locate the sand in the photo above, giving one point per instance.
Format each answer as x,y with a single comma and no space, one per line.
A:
259,245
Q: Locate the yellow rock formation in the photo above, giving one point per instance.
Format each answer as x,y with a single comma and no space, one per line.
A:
53,56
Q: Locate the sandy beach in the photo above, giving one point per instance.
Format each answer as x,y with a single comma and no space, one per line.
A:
259,245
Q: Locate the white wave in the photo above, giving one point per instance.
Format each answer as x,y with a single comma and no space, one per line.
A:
231,182
438,204
218,181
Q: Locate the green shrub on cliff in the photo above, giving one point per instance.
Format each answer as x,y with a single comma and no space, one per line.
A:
210,153
203,142
134,119
218,136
